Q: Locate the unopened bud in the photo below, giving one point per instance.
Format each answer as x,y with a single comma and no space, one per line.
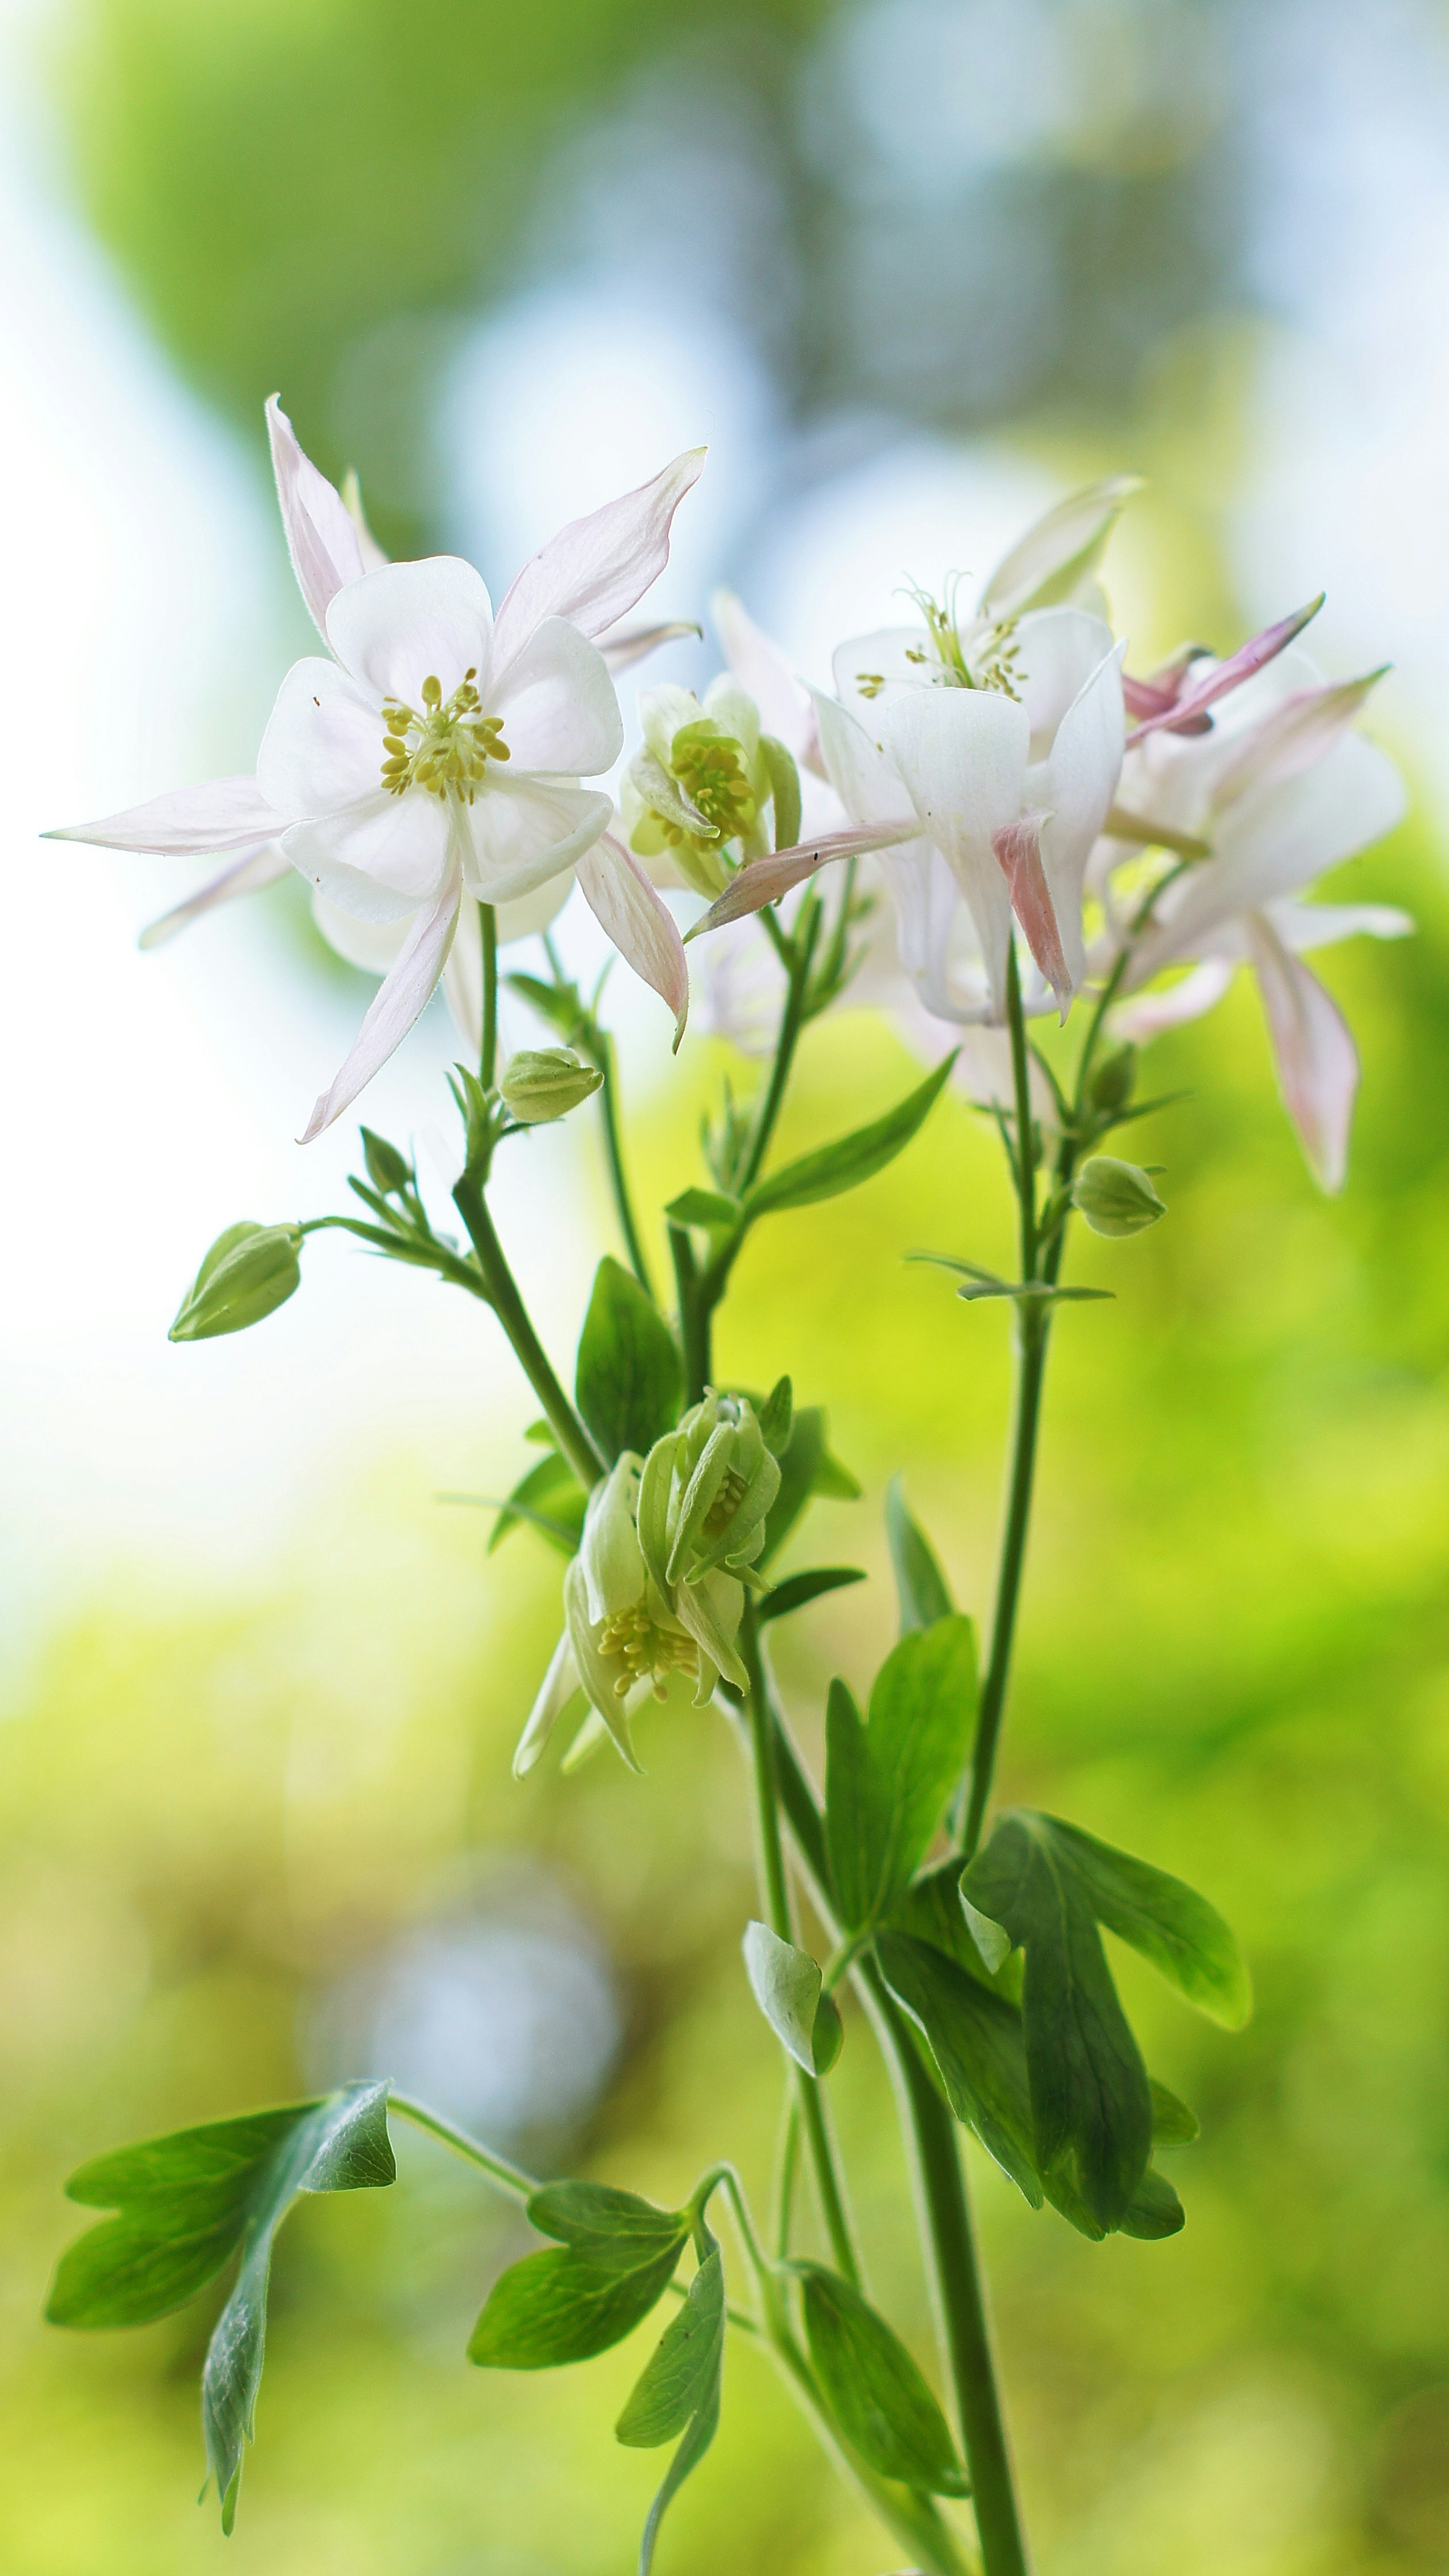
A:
249,1272
1116,1197
547,1082
1111,1085
387,1169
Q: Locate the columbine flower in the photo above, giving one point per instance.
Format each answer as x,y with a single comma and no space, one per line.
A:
699,782
1281,789
657,1587
438,756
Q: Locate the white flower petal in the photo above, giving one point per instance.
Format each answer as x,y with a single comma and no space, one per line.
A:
560,1684
246,875
409,622
595,569
623,646
869,787
405,993
640,924
1321,925
558,705
190,823
379,858
1151,1013
1076,784
322,748
1297,733
463,974
372,946
756,661
1316,1058
524,830
1058,557
1060,649
872,671
730,705
322,538
962,754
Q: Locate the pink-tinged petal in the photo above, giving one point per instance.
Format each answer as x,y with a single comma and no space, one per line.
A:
638,921
1058,557
1316,1057
246,875
190,823
1075,785
1231,674
322,538
962,754
523,831
371,552
1150,1013
623,646
1018,852
322,748
379,858
759,665
407,990
1294,735
596,569
409,622
1060,649
766,880
558,705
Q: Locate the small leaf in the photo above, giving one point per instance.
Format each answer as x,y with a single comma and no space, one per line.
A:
975,2037
1154,2211
559,1004
615,2231
714,1209
554,2307
1178,1930
1173,2124
785,1983
887,1783
551,1499
798,1589
933,1909
806,1468
875,2391
629,1381
985,1283
920,1585
851,1159
676,2381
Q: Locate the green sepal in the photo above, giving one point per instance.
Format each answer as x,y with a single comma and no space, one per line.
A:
387,1169
629,1382
877,2396
776,1415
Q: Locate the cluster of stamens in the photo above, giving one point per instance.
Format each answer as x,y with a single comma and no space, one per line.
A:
993,663
445,748
646,1650
712,775
725,1505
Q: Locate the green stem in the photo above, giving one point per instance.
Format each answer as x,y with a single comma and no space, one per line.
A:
797,953
601,1048
785,2172
694,1331
488,1057
509,2178
568,1430
775,1893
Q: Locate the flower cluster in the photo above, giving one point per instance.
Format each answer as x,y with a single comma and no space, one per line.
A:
658,1585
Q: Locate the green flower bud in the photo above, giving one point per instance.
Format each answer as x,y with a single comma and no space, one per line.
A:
722,1483
387,1169
249,1271
1111,1085
547,1082
1115,1197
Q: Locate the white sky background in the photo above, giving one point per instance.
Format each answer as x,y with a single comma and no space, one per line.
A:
152,1100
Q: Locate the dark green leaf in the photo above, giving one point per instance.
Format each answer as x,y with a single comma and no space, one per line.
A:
806,1468
676,2381
712,1208
798,1589
615,2231
1154,2211
1173,2124
920,1584
933,1909
888,1782
702,2429
549,1497
828,2035
1089,2097
559,1004
554,2307
851,1159
785,1983
1174,1927
776,1415
975,2037
875,2391
629,1381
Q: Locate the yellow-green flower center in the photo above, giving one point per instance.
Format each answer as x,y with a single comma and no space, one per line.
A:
725,1505
710,767
645,1650
445,746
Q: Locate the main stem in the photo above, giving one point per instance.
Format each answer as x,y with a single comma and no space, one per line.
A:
488,1054
508,1305
604,1057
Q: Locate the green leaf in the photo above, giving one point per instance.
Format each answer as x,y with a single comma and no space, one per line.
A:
933,1909
712,1208
697,2362
1173,2124
549,1497
851,1159
554,2307
798,1589
887,1782
1091,2110
785,1983
975,2037
776,1415
1174,1927
784,789
559,1004
985,1283
615,2231
630,1383
676,2380
806,1468
875,2391
920,1585
1154,2211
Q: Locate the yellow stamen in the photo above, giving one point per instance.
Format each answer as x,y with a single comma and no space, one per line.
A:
447,747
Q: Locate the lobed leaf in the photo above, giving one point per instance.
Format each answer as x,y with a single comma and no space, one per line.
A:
1167,1921
975,2038
615,2231
629,1383
877,2395
888,1781
675,2382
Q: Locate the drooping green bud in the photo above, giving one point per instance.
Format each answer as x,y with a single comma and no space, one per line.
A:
249,1272
723,1480
1116,1198
387,1169
547,1082
1111,1085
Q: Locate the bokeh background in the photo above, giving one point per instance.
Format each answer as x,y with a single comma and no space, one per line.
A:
913,267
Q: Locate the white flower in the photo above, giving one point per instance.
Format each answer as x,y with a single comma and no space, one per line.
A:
438,755
1281,789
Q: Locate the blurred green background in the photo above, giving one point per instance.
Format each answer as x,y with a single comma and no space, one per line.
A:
243,1826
